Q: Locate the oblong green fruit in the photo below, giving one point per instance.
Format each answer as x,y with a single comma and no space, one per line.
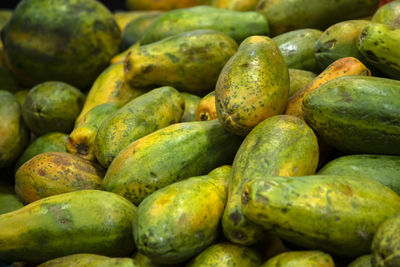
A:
236,24
363,261
191,104
336,214
252,86
297,48
8,199
169,155
53,173
135,29
277,146
178,221
52,107
300,259
88,260
86,221
227,255
356,114
378,44
188,61
13,132
60,40
51,142
386,244
139,117
338,41
288,15
298,79
388,14
381,168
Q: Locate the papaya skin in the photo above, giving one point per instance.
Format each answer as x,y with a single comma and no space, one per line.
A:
388,14
299,79
362,261
88,260
301,259
206,111
238,5
191,104
252,86
163,5
341,67
124,17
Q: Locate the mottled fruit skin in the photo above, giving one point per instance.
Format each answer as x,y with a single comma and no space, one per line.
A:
191,104
207,111
142,260
356,114
135,29
288,15
381,168
252,86
276,146
301,259
86,221
60,40
363,261
53,173
238,5
141,116
13,132
336,214
378,44
386,244
388,14
88,260
299,79
178,221
171,154
163,5
188,61
52,107
236,24
227,255
297,48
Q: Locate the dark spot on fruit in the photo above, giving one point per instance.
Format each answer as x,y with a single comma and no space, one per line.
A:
330,44
82,149
239,235
172,57
245,198
60,160
148,69
127,65
284,210
41,172
235,217
200,235
204,117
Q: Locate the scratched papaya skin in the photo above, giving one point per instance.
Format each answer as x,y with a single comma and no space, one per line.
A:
206,111
301,259
88,260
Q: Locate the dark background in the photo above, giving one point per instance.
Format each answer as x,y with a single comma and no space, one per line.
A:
111,4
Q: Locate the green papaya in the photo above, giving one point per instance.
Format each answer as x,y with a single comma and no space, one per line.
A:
362,261
277,146
13,132
206,111
191,104
338,41
388,14
236,24
52,107
189,61
336,214
252,86
357,114
162,5
300,259
8,199
60,40
180,220
51,142
289,15
88,260
21,96
299,79
227,255
139,117
238,5
297,48
86,221
169,155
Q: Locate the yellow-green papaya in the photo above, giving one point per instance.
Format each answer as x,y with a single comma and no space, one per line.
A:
8,199
124,17
21,96
388,14
299,79
191,104
239,5
88,260
163,5
301,259
206,111
362,261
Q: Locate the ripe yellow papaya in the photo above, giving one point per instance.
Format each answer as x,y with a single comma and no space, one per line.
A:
206,111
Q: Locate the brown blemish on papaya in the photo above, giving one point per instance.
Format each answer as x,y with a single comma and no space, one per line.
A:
239,235
42,172
245,198
60,160
235,217
148,69
127,65
204,117
82,149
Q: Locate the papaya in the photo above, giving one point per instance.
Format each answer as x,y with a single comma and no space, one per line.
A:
252,86
301,259
289,15
362,261
7,80
13,132
53,173
338,41
336,214
52,107
142,260
51,142
191,104
236,24
386,243
238,5
378,44
226,255
341,67
123,18
5,15
70,41
21,96
119,58
8,199
276,146
86,221
356,114
180,220
88,260
141,116
163,5
81,141
388,14
206,110
297,48
299,79
189,61
169,155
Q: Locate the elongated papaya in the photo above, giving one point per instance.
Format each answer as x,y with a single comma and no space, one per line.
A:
277,146
301,259
86,221
206,111
141,116
163,5
88,260
299,79
252,86
336,214
191,104
188,61
180,220
239,5
388,14
188,149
